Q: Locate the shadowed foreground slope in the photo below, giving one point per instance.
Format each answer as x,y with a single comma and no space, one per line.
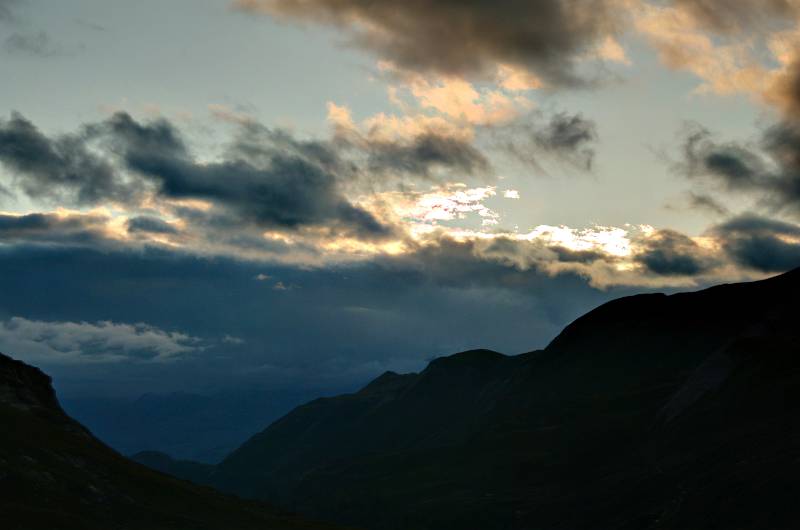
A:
650,412
55,475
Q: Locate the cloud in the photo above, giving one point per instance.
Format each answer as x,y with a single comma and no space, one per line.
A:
451,37
61,168
60,229
71,342
420,147
685,41
424,154
768,170
442,203
266,178
762,244
32,43
7,10
702,201
23,40
561,138
669,253
389,312
462,101
153,225
734,16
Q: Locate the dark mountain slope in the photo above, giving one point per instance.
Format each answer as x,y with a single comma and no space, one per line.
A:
195,472
55,475
649,412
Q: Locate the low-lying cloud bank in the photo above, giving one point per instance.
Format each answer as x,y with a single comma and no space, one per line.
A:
99,342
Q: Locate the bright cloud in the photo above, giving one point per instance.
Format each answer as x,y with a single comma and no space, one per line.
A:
76,342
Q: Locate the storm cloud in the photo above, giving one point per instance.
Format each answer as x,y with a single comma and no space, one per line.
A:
60,168
282,183
52,229
453,37
760,243
670,253
266,178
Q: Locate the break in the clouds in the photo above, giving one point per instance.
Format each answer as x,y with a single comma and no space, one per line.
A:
71,342
452,37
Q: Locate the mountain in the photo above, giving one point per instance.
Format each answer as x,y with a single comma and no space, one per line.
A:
55,475
187,426
650,412
192,471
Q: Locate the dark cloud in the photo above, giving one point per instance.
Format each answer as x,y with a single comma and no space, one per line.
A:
152,225
424,154
52,229
570,137
769,170
784,91
730,16
759,243
669,253
561,138
458,37
567,255
267,178
702,201
61,168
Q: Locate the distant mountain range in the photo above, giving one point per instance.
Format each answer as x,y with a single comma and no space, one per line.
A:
54,475
650,412
201,427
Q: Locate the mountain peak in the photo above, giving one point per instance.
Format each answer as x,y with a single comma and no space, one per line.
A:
387,382
469,357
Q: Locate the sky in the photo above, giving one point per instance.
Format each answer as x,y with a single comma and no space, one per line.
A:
212,194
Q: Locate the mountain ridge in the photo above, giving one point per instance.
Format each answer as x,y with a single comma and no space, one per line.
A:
609,410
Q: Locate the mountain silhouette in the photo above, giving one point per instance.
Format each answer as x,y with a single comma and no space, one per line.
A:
650,412
55,475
